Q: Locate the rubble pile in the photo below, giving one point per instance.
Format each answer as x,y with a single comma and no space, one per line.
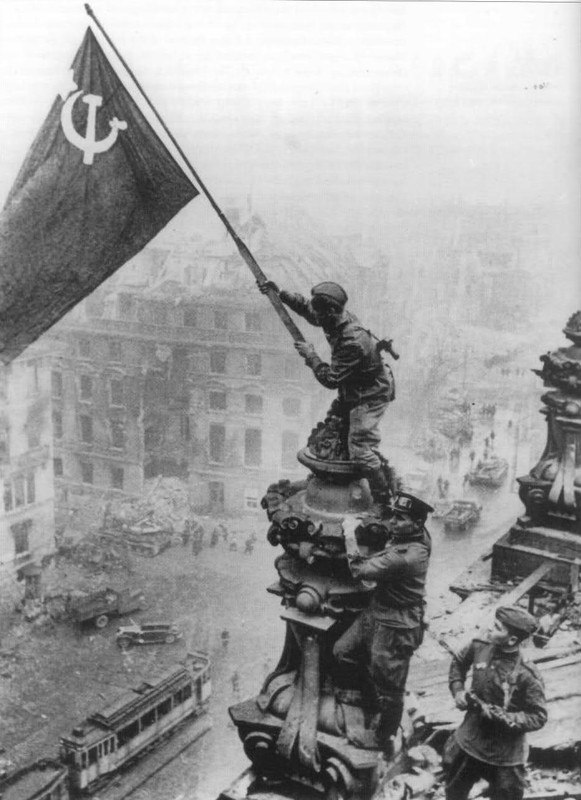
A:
423,772
573,613
164,502
91,553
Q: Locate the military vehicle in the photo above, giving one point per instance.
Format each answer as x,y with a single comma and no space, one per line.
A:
100,606
461,514
489,472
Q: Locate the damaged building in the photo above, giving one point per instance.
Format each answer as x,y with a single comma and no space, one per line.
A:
26,466
180,371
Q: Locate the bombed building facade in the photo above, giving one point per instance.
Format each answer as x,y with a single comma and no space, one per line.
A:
177,367
205,391
26,465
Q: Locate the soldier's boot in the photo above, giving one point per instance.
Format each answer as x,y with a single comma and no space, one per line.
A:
387,726
379,485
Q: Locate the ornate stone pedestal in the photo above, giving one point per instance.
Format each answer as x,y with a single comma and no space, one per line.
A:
309,725
551,492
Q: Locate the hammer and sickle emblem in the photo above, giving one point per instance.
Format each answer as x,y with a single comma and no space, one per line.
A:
87,143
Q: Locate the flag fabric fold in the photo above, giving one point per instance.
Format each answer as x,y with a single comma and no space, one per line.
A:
97,185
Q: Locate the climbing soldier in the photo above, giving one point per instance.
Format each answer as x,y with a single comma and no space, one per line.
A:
506,700
365,384
384,636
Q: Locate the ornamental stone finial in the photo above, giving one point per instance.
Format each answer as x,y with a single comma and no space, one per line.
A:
552,490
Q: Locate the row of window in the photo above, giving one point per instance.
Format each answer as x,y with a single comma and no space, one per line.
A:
160,314
116,474
218,366
217,455
116,429
217,400
86,388
19,491
252,446
253,403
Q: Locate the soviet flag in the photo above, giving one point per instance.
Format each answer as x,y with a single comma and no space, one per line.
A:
97,184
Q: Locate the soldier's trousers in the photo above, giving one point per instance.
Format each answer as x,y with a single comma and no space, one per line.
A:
363,430
384,653
506,783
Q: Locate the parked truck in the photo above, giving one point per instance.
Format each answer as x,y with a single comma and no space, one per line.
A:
100,606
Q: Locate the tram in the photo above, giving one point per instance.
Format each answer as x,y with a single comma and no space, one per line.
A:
137,720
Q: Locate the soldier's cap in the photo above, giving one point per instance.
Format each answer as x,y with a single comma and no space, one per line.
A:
518,621
330,291
408,504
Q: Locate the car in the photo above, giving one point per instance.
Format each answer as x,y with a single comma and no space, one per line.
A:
147,633
461,514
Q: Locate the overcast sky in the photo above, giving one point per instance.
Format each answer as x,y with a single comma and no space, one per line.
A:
349,107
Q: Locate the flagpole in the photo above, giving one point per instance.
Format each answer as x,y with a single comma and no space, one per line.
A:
251,262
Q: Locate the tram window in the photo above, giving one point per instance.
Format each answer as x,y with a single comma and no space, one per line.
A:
127,733
93,757
187,691
112,742
106,747
198,689
148,719
100,749
84,760
177,698
164,708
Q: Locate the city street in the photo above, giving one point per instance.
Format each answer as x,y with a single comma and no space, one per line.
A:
220,589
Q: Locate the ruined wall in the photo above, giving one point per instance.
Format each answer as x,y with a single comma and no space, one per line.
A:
26,465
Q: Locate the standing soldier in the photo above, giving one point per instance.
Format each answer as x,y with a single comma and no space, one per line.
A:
365,384
506,700
385,635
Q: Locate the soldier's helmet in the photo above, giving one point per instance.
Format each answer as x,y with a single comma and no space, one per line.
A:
406,503
329,291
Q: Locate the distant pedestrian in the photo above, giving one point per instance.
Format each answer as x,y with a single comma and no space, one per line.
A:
186,533
225,638
248,546
235,681
196,545
215,538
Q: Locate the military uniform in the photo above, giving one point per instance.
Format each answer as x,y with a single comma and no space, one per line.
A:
385,635
495,749
364,383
